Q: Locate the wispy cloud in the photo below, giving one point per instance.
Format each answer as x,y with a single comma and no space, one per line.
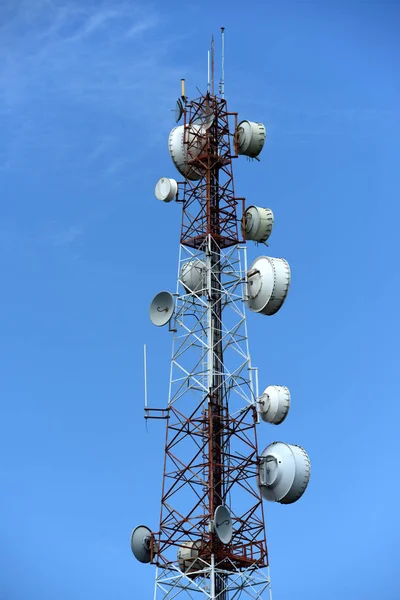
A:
85,90
17,243
94,23
61,236
75,74
142,26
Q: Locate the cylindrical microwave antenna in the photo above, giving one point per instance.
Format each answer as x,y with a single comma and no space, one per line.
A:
251,138
268,281
166,189
258,223
284,472
274,404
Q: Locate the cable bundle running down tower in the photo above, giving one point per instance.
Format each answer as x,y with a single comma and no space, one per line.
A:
211,539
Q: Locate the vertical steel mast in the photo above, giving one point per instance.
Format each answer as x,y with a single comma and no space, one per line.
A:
211,540
211,447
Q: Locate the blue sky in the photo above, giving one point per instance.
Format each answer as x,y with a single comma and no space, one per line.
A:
86,92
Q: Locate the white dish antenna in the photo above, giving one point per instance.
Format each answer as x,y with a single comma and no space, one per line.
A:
179,150
162,309
274,404
223,524
251,138
140,543
258,223
166,189
284,472
268,281
193,276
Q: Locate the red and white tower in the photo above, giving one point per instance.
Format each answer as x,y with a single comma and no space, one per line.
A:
211,540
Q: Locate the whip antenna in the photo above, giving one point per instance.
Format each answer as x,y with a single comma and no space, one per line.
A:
222,82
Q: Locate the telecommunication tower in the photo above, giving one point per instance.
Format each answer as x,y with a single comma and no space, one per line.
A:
211,541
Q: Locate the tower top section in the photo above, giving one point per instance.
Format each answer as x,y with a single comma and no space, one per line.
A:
206,138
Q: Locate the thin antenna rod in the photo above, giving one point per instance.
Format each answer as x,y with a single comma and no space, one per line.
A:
212,65
145,374
222,91
208,72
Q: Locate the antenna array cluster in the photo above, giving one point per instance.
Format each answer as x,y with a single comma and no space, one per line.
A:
211,539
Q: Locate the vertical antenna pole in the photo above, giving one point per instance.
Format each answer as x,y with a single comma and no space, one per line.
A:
223,62
208,72
145,374
212,65
212,578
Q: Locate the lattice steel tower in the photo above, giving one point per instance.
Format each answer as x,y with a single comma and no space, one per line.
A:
211,540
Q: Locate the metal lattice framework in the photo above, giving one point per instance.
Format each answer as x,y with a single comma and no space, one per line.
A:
211,454
210,205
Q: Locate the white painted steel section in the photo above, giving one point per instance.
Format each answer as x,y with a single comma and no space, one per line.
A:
246,584
212,578
192,342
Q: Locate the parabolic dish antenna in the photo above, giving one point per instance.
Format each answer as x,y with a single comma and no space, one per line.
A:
166,189
162,309
274,404
178,111
268,281
223,524
140,543
284,472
